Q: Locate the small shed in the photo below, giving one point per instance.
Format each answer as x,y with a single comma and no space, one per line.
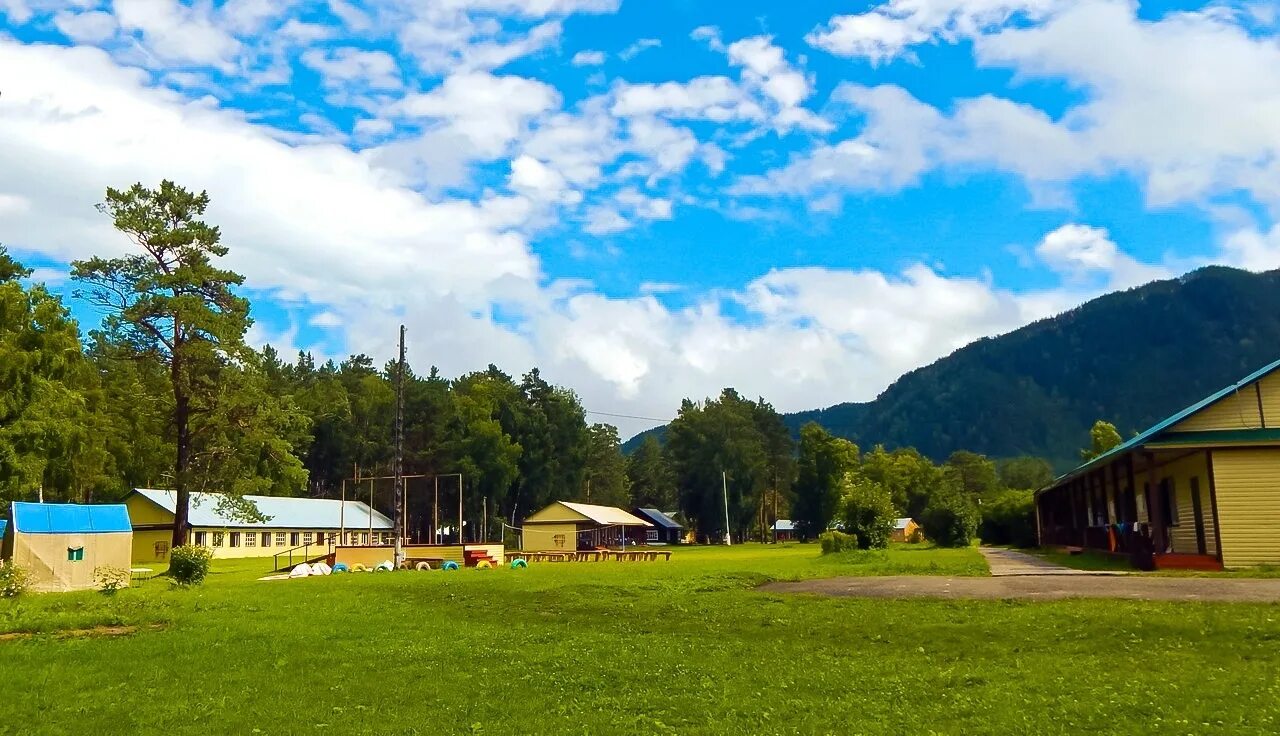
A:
906,530
665,530
784,530
566,526
62,544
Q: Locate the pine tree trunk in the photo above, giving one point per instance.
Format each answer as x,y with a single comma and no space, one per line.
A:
181,419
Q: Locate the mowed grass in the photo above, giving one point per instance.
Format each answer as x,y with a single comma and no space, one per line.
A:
601,648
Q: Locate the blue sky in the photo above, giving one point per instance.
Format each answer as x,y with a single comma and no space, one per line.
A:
652,200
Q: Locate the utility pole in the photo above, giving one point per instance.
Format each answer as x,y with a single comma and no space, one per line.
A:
398,469
724,480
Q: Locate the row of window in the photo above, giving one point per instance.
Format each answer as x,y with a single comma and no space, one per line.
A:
283,539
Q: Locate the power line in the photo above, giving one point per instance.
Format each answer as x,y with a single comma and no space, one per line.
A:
625,416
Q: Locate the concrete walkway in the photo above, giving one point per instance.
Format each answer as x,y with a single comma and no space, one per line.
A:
1007,562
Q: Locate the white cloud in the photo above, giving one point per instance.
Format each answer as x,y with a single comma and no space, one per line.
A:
588,58
639,47
888,31
178,34
344,66
94,26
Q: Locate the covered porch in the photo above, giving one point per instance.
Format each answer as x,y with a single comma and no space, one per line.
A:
1155,506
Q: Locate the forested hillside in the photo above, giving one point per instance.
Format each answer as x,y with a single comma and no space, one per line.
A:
1131,357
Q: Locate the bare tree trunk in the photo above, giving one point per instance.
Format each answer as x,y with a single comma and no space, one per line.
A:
181,420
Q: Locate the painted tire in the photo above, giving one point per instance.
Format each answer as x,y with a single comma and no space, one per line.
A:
483,565
359,567
449,565
518,564
422,566
340,567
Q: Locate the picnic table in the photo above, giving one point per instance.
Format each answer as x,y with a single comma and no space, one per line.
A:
141,573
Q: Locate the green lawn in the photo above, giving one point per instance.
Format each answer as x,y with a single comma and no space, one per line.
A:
1099,561
641,648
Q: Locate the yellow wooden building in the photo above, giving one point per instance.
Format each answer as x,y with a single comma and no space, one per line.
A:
565,525
290,523
906,530
1200,489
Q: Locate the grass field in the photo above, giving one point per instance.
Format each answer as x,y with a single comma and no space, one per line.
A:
680,647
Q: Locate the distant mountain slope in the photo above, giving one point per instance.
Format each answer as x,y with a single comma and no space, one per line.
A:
1130,357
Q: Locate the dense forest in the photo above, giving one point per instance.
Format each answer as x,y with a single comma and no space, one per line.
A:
1131,357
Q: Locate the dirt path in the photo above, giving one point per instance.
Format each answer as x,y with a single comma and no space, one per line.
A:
1042,587
1006,562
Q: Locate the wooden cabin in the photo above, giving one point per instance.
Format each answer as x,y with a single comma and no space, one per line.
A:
1200,489
568,526
906,530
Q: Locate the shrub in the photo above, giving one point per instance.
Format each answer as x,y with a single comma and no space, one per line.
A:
1009,518
833,542
13,580
867,513
110,579
189,564
950,520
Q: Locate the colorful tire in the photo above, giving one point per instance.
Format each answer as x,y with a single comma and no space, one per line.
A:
483,565
359,567
422,566
449,565
518,564
340,567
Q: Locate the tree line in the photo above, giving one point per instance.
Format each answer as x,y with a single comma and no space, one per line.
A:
165,392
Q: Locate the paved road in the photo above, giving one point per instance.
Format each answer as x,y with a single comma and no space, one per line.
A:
1019,575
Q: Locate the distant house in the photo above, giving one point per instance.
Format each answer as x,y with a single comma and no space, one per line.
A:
568,526
291,522
665,530
61,545
906,530
1199,489
785,530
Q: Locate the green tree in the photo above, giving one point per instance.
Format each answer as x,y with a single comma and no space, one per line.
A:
910,478
1025,473
1102,438
607,481
950,520
47,390
866,511
170,304
972,474
652,482
824,462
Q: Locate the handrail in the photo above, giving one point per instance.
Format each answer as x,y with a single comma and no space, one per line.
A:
306,553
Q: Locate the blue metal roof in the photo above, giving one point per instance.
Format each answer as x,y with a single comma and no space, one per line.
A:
282,512
70,518
659,518
3,525
1147,435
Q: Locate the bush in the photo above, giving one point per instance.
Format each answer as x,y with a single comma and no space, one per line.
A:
833,542
13,580
1009,518
189,564
867,513
950,520
110,579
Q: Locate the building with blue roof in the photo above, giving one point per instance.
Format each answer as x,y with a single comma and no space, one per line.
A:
1200,489
217,522
63,545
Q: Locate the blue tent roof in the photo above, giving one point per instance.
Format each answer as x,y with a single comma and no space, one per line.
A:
3,525
70,518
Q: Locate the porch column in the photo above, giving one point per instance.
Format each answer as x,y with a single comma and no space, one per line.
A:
1155,510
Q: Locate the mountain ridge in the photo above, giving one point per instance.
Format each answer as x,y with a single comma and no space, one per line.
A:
1131,357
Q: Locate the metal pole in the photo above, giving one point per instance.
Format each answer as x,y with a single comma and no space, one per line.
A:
461,541
398,466
724,480
484,522
435,514
370,511
342,515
